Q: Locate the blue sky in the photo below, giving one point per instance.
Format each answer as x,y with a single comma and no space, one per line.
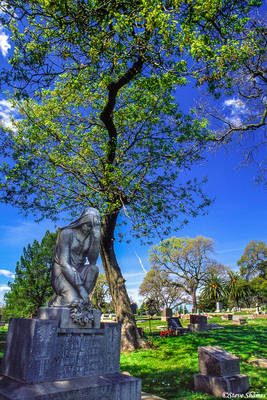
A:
237,216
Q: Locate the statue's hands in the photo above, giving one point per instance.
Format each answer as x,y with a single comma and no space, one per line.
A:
84,295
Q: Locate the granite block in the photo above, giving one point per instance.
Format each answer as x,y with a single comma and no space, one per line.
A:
45,352
219,385
216,361
104,387
30,349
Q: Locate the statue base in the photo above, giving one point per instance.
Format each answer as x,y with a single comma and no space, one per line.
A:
45,359
105,387
63,316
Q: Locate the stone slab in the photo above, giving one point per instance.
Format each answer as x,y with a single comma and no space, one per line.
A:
260,362
215,361
240,321
104,387
148,396
214,326
38,351
219,385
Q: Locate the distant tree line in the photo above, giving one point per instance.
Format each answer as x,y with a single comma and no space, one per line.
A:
183,271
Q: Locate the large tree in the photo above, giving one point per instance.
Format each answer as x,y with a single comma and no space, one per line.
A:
235,289
186,260
108,133
213,287
158,286
101,293
254,260
31,287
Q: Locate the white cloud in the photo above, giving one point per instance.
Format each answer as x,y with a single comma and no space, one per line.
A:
4,45
133,274
134,294
4,288
237,105
5,111
7,273
237,109
141,262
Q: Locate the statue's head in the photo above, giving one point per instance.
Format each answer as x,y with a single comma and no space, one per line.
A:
89,219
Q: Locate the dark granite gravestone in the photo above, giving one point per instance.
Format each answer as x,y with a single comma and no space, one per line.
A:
219,373
198,319
174,323
197,323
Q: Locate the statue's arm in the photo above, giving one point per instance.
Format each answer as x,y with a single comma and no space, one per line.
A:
93,251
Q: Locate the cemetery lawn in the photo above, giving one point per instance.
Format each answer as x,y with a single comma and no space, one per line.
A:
168,369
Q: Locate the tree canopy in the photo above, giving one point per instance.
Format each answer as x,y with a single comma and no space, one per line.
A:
103,127
254,260
31,287
158,286
186,260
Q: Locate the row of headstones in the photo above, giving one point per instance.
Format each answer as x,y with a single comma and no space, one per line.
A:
219,308
167,313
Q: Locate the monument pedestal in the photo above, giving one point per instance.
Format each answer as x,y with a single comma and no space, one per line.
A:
44,360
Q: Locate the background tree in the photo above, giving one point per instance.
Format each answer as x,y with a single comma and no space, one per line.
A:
254,260
106,134
150,307
101,294
186,260
234,289
213,287
31,287
158,286
258,287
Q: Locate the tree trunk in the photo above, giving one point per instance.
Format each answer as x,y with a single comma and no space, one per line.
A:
194,301
130,338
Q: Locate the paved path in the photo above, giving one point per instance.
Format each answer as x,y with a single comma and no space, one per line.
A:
147,396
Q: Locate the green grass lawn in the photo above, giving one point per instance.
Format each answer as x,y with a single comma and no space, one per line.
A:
168,369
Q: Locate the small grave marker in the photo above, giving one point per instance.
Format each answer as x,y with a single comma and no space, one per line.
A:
219,373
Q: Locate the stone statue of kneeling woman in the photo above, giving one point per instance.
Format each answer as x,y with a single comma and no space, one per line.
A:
72,279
